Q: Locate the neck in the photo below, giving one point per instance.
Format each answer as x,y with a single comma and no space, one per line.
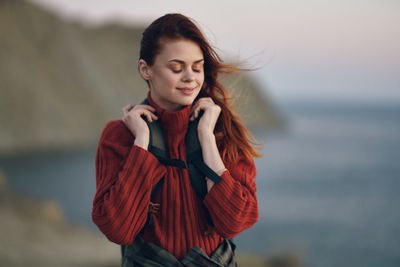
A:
172,121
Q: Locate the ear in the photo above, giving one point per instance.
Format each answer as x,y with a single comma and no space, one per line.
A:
144,69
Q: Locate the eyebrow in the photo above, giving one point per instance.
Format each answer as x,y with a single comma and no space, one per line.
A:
183,62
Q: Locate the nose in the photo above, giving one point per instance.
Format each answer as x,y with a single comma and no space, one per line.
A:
188,75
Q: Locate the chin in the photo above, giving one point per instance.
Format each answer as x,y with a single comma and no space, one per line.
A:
187,101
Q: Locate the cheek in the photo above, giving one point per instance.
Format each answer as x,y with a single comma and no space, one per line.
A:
165,79
169,78
201,79
173,79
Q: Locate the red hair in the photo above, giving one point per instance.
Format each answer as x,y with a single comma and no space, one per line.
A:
232,137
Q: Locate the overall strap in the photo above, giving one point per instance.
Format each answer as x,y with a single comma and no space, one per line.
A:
157,145
197,169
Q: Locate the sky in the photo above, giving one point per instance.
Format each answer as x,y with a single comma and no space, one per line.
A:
343,50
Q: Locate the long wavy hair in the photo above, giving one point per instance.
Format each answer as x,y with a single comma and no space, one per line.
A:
232,137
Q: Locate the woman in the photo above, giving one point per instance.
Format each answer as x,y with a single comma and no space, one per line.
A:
181,70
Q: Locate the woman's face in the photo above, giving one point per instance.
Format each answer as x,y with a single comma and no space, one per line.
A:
177,74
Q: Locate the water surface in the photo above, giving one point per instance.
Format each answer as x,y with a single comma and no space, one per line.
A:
328,186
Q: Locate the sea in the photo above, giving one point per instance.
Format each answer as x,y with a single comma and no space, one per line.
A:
328,185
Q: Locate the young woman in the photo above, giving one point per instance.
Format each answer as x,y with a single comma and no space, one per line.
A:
181,70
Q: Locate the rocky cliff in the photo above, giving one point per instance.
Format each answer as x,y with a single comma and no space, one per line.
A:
60,82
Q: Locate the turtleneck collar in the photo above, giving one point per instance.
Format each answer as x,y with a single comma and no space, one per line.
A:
171,121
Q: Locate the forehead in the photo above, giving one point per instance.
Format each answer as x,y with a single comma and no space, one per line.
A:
180,49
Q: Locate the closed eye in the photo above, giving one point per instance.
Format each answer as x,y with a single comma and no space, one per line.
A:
197,67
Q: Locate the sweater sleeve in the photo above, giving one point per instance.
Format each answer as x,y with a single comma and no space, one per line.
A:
232,203
125,176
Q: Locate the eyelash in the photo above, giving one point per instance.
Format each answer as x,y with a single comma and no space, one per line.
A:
178,71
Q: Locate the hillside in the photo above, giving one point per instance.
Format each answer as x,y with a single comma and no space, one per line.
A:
60,82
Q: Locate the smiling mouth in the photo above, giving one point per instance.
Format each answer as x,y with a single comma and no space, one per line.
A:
187,90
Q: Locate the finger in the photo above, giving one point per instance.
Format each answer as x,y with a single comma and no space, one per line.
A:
194,112
191,115
148,116
200,104
127,108
209,100
154,116
148,107
149,110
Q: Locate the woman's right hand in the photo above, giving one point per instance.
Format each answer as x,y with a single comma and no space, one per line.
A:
137,125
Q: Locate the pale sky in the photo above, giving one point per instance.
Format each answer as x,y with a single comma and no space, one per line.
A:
345,50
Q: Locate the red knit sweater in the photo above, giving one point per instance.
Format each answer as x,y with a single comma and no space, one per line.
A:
125,175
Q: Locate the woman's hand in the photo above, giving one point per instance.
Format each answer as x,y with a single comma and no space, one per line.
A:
210,116
207,140
133,120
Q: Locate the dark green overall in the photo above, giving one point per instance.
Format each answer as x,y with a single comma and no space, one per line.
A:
141,253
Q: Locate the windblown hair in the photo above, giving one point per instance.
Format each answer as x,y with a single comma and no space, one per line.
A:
232,137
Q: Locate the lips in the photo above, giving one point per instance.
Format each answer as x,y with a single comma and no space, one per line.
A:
187,90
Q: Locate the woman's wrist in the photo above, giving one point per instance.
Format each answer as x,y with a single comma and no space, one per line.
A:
220,171
206,136
142,142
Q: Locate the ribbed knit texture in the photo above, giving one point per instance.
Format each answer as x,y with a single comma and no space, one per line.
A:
125,175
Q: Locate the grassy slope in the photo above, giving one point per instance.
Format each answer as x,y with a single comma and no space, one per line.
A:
61,82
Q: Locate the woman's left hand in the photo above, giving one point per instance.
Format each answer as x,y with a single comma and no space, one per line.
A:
210,116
